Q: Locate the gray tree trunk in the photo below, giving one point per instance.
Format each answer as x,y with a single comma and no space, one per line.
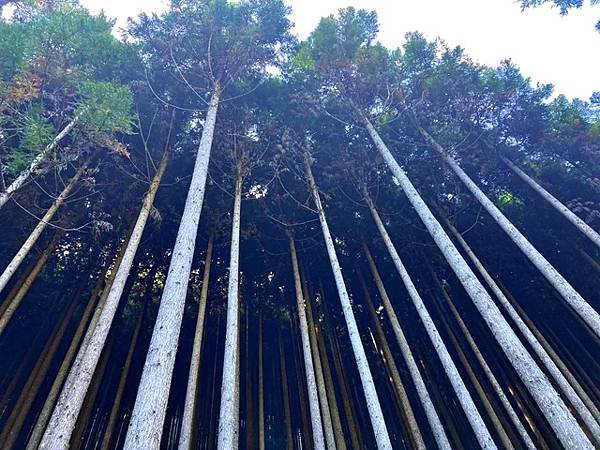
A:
562,286
36,163
313,398
187,423
145,428
228,423
554,409
375,413
556,204
64,417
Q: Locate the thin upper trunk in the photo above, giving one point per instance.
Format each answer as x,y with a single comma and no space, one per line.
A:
64,416
375,413
432,417
35,164
289,441
309,370
562,286
228,425
572,390
556,204
388,361
464,397
187,425
13,303
553,407
147,419
40,227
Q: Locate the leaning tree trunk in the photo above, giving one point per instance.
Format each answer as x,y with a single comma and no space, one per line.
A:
374,407
309,370
464,397
13,302
228,425
35,164
187,423
572,390
555,203
38,230
394,374
486,368
562,286
432,417
147,419
554,409
64,417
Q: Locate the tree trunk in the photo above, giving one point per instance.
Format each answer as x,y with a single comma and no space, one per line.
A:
590,260
13,426
554,409
64,416
116,404
39,228
481,432
388,361
250,433
261,387
228,425
36,163
432,417
305,435
147,419
375,413
555,203
573,391
186,437
309,370
289,440
44,416
562,286
12,303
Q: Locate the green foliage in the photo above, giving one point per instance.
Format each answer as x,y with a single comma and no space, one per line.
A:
106,107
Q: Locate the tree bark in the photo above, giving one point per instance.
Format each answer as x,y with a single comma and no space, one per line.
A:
555,203
186,437
388,361
39,228
432,417
228,425
36,163
562,421
309,369
261,387
289,440
13,303
573,391
375,413
64,416
464,397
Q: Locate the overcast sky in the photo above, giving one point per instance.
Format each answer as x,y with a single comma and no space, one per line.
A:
564,51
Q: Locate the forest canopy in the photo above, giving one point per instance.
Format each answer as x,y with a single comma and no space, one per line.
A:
218,235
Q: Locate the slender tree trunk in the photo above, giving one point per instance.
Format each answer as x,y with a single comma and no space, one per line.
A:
590,260
44,415
309,370
211,427
186,436
261,387
475,420
554,409
116,404
35,164
573,391
555,203
39,228
228,426
306,433
432,417
289,440
64,416
13,426
388,361
147,419
250,434
13,303
562,286
17,286
375,413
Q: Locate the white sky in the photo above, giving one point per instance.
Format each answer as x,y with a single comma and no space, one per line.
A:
547,47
